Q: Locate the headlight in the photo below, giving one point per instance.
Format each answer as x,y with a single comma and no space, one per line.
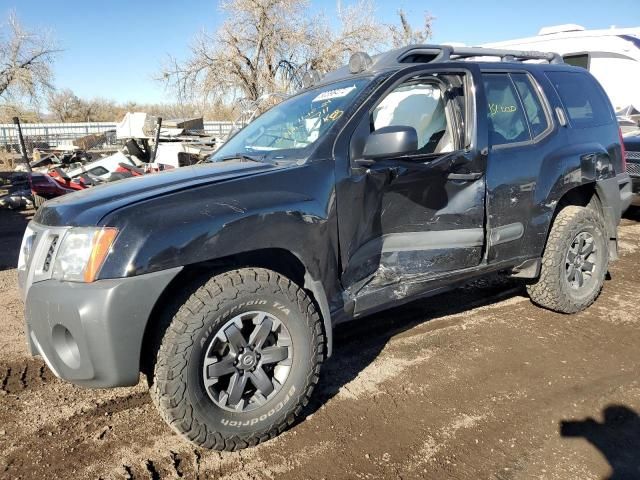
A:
26,248
82,253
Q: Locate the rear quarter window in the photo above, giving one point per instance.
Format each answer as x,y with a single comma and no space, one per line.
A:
583,99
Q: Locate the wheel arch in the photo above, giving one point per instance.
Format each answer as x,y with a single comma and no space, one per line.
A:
192,276
592,195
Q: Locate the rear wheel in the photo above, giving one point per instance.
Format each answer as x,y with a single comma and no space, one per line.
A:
574,263
239,360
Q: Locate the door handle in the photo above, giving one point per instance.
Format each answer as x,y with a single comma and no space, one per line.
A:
467,177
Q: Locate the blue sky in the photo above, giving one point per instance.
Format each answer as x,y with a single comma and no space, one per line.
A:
114,48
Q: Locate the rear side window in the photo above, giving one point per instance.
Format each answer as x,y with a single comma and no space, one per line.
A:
507,122
582,98
531,102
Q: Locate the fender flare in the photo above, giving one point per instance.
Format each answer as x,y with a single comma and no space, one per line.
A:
316,288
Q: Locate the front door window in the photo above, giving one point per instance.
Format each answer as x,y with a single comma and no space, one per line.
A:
419,105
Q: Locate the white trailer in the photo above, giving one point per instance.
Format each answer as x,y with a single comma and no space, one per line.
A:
612,55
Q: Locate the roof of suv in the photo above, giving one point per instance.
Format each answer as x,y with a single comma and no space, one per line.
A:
362,64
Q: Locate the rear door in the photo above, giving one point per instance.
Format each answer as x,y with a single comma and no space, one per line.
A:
519,123
403,221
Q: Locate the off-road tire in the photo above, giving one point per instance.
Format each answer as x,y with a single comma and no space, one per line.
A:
552,289
177,387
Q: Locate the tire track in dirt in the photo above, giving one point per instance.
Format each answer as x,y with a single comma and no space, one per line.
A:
21,375
74,442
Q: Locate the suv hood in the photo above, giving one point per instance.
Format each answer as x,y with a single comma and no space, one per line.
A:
88,207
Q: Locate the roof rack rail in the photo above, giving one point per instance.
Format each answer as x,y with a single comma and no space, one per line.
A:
444,53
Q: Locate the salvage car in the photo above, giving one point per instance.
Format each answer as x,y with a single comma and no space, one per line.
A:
632,154
395,177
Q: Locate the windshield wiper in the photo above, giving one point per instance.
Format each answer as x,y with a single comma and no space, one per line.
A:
242,156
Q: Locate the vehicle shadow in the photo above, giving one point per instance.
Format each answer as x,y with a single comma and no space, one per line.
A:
12,226
357,344
617,438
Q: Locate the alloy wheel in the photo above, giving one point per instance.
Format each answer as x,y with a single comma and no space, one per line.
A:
247,361
581,260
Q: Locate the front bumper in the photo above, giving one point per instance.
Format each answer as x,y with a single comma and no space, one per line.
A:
91,333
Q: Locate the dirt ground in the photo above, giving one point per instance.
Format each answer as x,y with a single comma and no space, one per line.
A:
478,383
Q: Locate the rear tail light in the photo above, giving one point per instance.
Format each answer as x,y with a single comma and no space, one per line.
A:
623,151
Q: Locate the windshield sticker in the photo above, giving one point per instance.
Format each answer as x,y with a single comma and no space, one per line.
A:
331,94
494,109
333,116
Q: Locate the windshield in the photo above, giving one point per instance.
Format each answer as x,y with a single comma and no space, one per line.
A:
290,129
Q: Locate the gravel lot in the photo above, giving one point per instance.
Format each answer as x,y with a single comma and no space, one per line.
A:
477,383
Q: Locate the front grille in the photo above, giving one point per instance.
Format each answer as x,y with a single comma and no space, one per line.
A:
633,155
633,169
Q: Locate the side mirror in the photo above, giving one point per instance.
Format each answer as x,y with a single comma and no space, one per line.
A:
391,141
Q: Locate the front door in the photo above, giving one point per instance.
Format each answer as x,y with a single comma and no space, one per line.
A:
406,220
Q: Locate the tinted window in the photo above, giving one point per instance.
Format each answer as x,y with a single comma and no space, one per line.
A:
582,98
506,118
419,105
531,102
577,60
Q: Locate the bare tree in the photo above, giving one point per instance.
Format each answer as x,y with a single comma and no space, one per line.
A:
357,30
405,34
25,61
65,105
266,45
9,110
247,55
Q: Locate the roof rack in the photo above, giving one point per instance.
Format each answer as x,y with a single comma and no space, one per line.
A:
445,53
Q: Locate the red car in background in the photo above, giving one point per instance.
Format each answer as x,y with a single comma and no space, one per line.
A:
43,187
56,182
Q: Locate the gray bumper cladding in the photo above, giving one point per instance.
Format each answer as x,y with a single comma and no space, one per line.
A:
91,334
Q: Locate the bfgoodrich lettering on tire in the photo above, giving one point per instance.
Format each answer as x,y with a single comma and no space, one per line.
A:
575,262
239,360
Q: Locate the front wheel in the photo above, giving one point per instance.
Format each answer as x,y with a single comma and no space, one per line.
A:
574,263
239,360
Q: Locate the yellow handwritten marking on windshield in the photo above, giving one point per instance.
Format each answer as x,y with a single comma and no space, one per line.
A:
494,109
336,114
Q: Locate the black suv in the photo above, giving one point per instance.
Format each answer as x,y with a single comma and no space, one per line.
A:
393,178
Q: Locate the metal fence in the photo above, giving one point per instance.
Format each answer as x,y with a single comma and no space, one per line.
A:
218,129
58,135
